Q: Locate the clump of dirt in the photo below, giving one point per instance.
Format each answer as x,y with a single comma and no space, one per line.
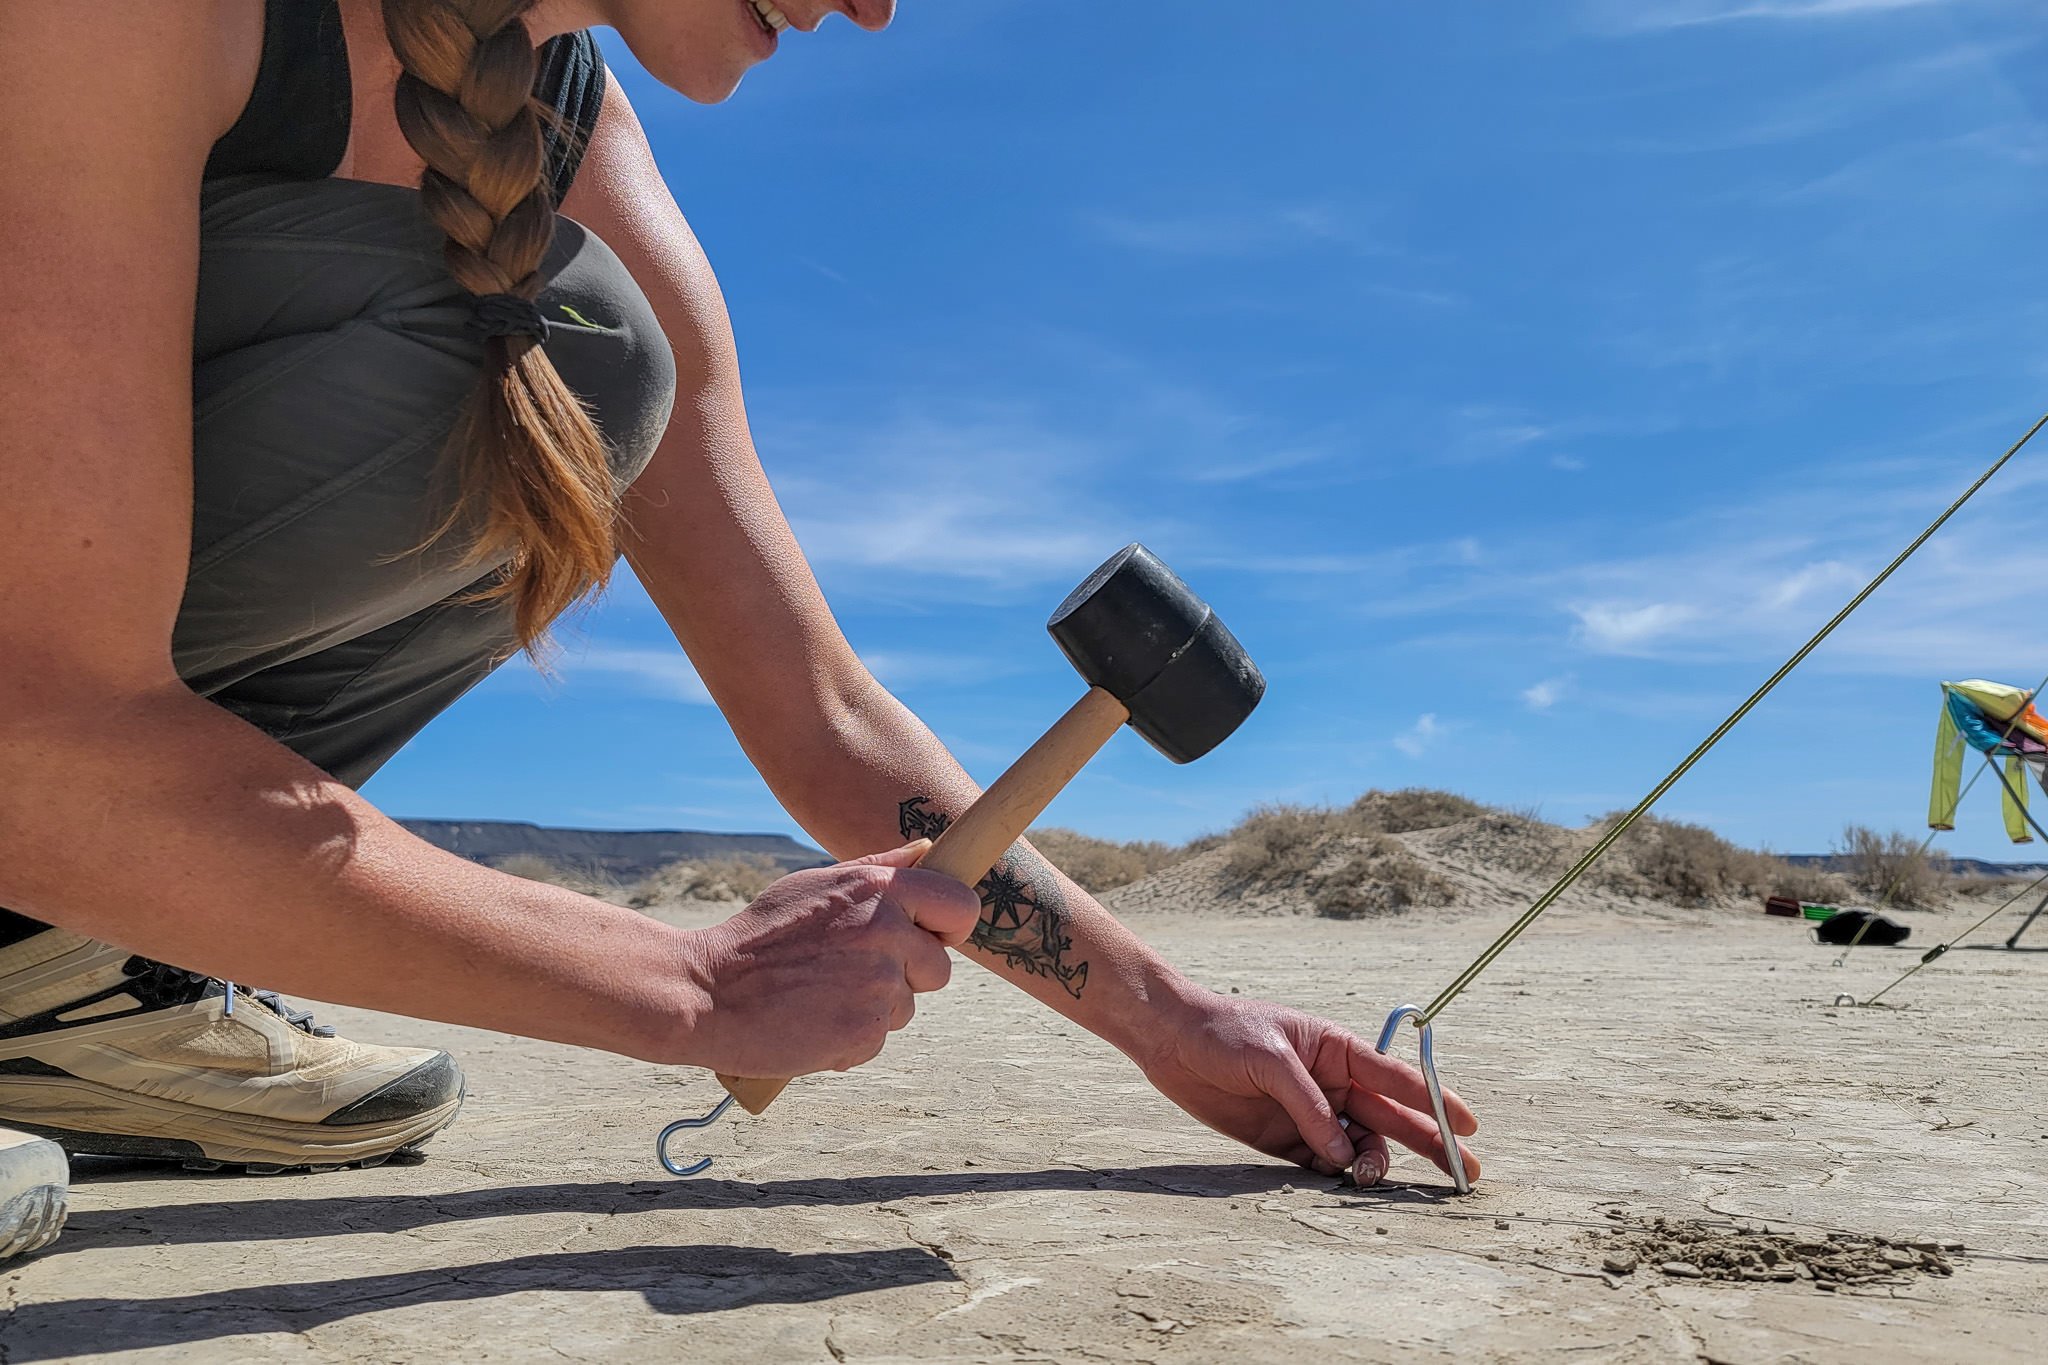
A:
1684,1249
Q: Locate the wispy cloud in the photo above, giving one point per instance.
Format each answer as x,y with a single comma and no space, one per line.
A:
1803,582
1546,694
1262,465
666,673
655,672
1252,231
1622,628
952,500
1418,738
1478,432
1748,580
1485,432
1973,71
1642,16
1983,168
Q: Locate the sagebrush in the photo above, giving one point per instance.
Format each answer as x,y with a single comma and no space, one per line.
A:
1895,868
1345,858
738,878
1280,845
1376,875
1100,865
1690,864
1412,808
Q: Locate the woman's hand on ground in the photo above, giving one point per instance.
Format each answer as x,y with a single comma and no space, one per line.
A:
1278,1079
816,973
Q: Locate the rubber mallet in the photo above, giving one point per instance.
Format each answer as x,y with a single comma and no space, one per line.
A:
1154,655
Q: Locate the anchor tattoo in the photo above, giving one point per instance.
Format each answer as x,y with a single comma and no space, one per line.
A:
1024,912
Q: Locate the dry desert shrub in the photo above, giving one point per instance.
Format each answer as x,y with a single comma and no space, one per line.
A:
1979,887
1281,846
1348,865
1099,865
1894,867
1410,809
1510,841
1670,860
1803,883
586,881
739,878
1377,876
1278,846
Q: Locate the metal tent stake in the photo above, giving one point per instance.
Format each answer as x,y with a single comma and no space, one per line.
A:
1452,1153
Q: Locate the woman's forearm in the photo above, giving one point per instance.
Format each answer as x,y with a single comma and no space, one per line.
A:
163,824
877,776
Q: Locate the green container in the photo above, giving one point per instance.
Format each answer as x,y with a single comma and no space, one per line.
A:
1819,911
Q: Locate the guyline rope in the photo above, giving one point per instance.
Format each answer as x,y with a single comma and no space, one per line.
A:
1592,855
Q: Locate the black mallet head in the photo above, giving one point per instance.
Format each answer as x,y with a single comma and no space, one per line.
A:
1139,633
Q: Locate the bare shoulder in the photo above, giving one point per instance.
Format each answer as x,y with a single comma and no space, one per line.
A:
620,195
136,59
105,126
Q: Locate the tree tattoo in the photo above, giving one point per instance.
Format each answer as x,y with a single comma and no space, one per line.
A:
1023,911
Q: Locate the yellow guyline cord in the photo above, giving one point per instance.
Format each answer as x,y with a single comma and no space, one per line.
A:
1592,855
1938,949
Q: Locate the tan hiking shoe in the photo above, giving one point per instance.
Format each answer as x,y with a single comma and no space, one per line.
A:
34,1179
116,1055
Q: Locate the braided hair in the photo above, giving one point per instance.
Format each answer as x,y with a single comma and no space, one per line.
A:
526,446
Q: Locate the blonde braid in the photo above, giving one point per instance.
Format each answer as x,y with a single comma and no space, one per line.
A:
465,103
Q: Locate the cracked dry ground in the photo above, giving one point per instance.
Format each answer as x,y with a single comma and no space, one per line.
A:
1000,1186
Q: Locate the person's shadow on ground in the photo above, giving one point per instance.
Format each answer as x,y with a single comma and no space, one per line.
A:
290,1219
673,1279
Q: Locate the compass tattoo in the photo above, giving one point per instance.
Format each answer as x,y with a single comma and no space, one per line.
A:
1023,910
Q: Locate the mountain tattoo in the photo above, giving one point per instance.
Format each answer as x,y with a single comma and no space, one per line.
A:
1023,910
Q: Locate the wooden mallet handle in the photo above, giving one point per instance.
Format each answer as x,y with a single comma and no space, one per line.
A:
972,844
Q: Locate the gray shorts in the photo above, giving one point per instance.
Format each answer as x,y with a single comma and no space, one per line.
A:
330,361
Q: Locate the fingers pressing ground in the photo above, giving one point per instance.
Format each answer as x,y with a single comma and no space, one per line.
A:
1414,1130
1288,1081
1379,1073
1373,1159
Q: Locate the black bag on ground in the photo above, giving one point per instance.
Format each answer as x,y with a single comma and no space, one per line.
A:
1841,927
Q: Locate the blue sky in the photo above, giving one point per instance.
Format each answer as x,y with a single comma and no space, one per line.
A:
1521,381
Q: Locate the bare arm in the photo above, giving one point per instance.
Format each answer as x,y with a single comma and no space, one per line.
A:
860,772
849,761
134,811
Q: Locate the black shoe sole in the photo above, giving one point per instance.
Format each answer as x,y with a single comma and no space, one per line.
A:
190,1155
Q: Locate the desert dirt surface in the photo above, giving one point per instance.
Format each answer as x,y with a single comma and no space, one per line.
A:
1002,1186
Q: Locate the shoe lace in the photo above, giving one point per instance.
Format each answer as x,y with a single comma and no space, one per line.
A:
176,979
